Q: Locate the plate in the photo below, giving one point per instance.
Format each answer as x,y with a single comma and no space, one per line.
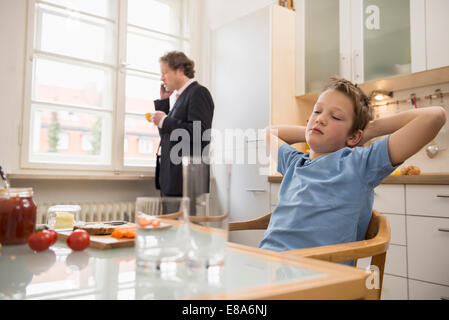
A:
163,225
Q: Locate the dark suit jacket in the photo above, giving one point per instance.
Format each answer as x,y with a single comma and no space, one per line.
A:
194,104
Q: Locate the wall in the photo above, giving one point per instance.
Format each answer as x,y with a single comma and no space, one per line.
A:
12,55
440,163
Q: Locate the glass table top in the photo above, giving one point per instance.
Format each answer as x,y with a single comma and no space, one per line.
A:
60,273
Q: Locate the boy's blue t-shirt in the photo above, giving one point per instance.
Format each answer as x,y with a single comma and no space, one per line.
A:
328,200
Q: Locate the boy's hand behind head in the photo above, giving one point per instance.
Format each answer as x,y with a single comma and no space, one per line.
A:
367,134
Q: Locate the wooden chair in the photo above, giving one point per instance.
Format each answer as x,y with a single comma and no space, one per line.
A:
375,245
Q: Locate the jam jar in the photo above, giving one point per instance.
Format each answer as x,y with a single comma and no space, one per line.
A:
17,215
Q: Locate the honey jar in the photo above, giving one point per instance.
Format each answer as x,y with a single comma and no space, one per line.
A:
17,215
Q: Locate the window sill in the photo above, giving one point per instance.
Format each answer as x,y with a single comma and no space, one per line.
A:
42,176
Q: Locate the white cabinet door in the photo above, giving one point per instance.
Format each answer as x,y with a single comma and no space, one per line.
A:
389,198
360,40
381,41
394,288
427,200
249,197
396,261
397,228
318,43
427,245
437,33
427,291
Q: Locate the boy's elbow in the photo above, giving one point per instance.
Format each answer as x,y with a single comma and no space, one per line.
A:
440,117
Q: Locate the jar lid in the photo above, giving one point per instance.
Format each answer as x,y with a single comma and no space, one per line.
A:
16,192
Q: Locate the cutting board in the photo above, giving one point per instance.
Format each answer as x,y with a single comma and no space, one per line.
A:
100,241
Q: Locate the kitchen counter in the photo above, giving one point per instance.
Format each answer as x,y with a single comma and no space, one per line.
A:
425,178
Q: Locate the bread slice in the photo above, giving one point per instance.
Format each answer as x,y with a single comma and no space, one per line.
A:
96,228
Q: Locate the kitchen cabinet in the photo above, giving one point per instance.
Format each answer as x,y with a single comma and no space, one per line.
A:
253,58
394,288
437,27
358,40
420,255
431,200
427,291
428,257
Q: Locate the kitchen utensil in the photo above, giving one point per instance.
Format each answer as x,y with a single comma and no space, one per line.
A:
5,180
432,150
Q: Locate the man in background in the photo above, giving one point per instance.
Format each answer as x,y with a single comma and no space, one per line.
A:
193,109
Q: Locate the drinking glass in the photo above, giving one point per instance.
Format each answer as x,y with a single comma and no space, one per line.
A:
162,234
208,217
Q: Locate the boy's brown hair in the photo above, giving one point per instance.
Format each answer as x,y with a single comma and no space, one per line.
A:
362,104
176,60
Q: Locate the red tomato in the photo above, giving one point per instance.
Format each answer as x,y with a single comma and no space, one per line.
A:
78,240
40,241
53,234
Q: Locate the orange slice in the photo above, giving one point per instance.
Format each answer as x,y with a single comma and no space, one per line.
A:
144,221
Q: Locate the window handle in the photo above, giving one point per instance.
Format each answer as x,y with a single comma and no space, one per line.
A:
123,65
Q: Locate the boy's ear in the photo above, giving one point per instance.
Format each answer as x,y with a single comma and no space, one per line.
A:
354,139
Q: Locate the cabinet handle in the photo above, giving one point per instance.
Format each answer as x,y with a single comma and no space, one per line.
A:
443,229
442,195
256,190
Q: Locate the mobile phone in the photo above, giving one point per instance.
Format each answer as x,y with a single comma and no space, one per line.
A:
163,88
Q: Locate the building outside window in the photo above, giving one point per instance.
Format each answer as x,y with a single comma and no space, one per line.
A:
146,145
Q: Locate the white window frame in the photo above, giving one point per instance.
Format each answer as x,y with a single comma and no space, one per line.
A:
118,114
144,143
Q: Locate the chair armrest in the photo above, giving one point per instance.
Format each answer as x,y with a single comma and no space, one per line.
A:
350,251
260,223
343,252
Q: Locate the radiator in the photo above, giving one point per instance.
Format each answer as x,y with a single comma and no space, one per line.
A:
93,211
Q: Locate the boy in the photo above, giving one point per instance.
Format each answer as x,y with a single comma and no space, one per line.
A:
326,197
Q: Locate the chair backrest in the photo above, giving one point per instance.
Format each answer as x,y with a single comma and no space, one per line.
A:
375,245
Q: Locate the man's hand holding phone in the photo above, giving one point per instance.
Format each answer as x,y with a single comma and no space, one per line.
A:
164,93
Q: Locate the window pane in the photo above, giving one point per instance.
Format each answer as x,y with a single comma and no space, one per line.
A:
63,33
83,139
163,16
144,49
60,82
146,145
140,93
142,142
103,8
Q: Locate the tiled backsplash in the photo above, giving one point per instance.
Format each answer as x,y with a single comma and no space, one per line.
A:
439,163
